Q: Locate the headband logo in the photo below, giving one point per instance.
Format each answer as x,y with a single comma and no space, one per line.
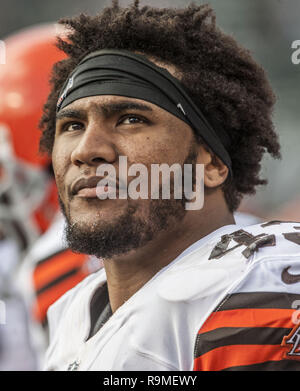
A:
181,108
65,91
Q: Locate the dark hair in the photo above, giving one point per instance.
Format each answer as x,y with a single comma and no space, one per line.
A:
221,77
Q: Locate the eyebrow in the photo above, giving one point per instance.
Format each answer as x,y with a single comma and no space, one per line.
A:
71,113
107,110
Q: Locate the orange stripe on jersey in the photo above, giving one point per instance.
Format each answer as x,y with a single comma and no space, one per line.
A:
48,297
215,358
237,355
249,317
56,266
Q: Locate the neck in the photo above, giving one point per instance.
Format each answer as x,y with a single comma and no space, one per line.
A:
128,273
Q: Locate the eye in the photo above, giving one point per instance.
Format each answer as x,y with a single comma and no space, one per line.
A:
131,119
71,126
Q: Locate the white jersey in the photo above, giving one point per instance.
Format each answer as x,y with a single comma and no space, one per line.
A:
245,219
166,324
16,350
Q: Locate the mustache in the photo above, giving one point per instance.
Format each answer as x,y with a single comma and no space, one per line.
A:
93,181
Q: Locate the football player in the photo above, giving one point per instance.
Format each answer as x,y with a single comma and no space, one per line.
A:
28,200
180,289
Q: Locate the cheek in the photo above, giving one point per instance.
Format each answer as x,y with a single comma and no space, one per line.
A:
60,162
162,145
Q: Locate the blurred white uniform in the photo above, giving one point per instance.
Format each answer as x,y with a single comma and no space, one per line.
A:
28,200
16,351
50,251
49,243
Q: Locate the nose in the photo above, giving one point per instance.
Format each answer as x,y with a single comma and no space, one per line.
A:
94,146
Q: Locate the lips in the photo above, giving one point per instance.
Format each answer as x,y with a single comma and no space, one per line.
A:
87,186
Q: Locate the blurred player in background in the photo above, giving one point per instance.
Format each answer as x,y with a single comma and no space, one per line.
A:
28,200
53,269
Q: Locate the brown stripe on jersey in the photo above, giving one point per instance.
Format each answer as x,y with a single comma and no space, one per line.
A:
246,328
282,365
225,336
258,300
276,222
47,298
229,356
273,222
52,255
58,280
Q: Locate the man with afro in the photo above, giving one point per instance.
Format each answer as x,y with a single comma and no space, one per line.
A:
181,288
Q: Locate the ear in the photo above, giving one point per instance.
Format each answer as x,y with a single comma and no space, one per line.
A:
215,171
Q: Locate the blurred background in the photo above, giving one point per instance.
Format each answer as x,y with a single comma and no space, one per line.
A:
267,29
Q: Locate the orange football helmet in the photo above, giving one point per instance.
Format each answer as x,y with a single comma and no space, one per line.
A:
28,200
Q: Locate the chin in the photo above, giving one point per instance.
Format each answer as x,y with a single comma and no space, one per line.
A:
92,218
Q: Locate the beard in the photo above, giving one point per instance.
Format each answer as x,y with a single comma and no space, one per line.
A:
128,231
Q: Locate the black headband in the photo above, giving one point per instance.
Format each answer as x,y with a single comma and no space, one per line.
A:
123,73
